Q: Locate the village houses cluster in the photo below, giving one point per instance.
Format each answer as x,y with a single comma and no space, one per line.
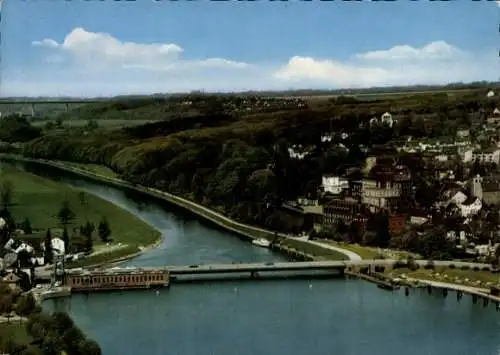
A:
387,185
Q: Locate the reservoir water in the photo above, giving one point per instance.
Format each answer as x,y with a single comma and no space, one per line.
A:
293,317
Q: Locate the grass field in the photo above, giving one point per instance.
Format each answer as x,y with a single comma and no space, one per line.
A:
40,199
444,274
311,249
102,123
380,95
94,168
367,252
15,330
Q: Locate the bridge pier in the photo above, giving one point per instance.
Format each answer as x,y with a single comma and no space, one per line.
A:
407,291
486,301
459,295
445,292
342,272
66,107
429,289
474,299
254,274
32,110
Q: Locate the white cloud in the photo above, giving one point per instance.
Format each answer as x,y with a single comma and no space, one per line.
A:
87,63
104,50
50,43
434,63
433,50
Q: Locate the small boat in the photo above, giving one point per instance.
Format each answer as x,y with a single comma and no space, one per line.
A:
261,242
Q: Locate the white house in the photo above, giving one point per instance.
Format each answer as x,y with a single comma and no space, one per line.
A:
298,152
57,246
326,138
490,93
471,209
458,198
491,155
466,154
38,261
2,223
334,184
25,247
9,245
441,157
386,118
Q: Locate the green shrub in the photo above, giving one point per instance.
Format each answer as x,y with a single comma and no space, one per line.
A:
429,266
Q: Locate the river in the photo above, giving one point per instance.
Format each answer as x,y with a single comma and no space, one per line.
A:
294,317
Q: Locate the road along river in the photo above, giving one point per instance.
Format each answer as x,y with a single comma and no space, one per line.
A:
266,317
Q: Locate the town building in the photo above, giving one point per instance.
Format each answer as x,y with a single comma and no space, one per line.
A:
487,156
12,280
347,210
116,279
397,224
334,184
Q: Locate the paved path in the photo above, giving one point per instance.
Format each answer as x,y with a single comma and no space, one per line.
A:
350,254
15,319
464,288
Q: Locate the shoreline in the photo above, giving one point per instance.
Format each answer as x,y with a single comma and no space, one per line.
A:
294,253
127,257
247,231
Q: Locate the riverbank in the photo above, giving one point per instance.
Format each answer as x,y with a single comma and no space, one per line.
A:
39,200
316,250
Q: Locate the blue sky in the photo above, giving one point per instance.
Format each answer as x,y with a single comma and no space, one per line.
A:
107,47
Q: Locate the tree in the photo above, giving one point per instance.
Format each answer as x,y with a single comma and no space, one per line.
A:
353,233
6,194
495,262
47,242
66,240
104,230
90,347
65,214
26,225
26,305
82,197
86,232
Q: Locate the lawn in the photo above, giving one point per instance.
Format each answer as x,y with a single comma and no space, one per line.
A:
94,168
445,274
40,199
16,331
367,252
314,250
106,124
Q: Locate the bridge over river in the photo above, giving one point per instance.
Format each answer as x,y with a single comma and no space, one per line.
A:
285,268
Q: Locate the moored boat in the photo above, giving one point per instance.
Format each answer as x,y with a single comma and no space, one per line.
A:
261,242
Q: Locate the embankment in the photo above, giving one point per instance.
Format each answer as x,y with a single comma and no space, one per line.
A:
246,231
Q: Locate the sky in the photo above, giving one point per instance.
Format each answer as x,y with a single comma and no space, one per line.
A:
107,48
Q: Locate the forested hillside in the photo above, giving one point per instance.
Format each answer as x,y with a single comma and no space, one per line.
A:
237,159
